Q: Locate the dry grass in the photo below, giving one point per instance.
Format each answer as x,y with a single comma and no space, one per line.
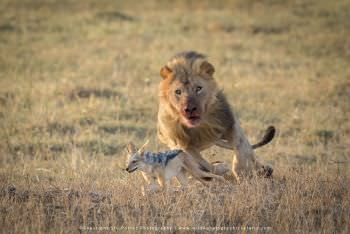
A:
78,79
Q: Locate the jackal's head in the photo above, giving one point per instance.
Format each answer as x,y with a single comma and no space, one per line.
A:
135,158
188,87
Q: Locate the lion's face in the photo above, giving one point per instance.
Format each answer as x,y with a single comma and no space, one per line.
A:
189,93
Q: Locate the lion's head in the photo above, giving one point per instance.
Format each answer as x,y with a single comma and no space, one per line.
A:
188,86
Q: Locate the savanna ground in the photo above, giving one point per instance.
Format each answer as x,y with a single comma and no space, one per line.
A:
78,80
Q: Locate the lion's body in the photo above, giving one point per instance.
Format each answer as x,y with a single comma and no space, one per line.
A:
195,115
218,125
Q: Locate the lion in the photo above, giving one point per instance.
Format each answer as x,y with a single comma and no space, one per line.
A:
194,115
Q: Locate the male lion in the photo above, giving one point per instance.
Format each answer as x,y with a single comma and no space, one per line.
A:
195,115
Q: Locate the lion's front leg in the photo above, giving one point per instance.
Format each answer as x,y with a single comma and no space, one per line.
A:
244,162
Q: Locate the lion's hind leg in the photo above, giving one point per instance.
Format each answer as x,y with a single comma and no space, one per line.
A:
197,171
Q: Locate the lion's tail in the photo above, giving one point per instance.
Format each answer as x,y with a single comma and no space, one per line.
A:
269,134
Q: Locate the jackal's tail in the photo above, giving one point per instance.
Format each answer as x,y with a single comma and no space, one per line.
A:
269,134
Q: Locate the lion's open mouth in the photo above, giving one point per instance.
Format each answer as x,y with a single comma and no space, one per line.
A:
192,121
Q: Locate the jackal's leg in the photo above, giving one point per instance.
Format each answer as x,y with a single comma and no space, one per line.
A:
161,181
182,178
152,182
164,182
145,177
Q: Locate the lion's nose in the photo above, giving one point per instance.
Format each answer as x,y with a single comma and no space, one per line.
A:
190,109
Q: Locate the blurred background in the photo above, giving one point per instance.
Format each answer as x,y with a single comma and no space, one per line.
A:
85,73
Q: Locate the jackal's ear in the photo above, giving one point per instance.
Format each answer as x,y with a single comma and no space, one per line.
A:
142,148
165,72
131,148
207,68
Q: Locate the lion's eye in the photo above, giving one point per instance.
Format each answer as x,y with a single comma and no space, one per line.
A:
198,89
178,92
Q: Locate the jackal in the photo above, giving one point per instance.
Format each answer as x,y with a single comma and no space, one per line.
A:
159,168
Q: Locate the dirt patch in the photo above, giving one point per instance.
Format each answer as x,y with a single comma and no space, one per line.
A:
7,28
92,92
99,147
6,98
54,128
268,29
114,16
34,149
48,150
340,96
86,121
112,129
220,27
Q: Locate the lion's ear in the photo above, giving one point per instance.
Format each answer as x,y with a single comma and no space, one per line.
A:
207,68
165,72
